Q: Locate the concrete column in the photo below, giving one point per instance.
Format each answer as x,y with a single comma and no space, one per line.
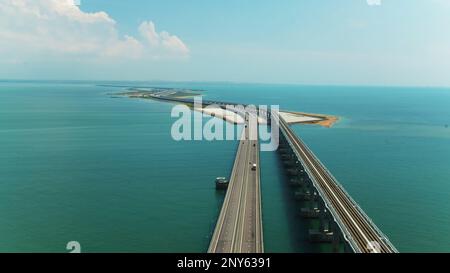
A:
347,248
337,236
322,221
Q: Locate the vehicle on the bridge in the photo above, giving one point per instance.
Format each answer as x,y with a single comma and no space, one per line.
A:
254,167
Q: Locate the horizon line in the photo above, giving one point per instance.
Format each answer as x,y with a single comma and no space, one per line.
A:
230,82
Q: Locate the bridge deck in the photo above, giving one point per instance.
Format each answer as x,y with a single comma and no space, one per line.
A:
359,230
239,227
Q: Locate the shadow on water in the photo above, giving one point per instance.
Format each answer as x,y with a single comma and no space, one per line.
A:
284,230
219,195
298,227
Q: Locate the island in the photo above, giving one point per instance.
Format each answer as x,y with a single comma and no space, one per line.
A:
185,96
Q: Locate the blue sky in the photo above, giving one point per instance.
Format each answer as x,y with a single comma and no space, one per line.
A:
400,42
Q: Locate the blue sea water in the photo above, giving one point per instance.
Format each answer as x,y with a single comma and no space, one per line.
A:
78,165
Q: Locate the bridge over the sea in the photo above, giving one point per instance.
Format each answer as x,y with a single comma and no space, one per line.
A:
239,226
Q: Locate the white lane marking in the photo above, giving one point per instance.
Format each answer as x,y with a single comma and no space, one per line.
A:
240,195
246,182
226,202
259,230
245,205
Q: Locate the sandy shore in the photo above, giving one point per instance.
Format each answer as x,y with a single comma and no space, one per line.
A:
291,117
218,112
308,118
227,115
297,118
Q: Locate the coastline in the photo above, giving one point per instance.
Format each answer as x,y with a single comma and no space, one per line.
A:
168,95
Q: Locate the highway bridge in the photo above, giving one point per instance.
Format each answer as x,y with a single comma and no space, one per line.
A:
239,226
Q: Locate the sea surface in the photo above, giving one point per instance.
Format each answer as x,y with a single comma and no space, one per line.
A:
77,164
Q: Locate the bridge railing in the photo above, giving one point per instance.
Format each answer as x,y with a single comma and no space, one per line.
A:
347,235
356,205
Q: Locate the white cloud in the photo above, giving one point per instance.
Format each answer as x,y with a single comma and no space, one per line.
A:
173,43
33,28
148,31
163,39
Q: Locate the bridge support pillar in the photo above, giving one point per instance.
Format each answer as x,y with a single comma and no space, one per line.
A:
336,236
347,247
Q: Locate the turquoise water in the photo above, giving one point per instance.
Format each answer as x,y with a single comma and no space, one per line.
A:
78,165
